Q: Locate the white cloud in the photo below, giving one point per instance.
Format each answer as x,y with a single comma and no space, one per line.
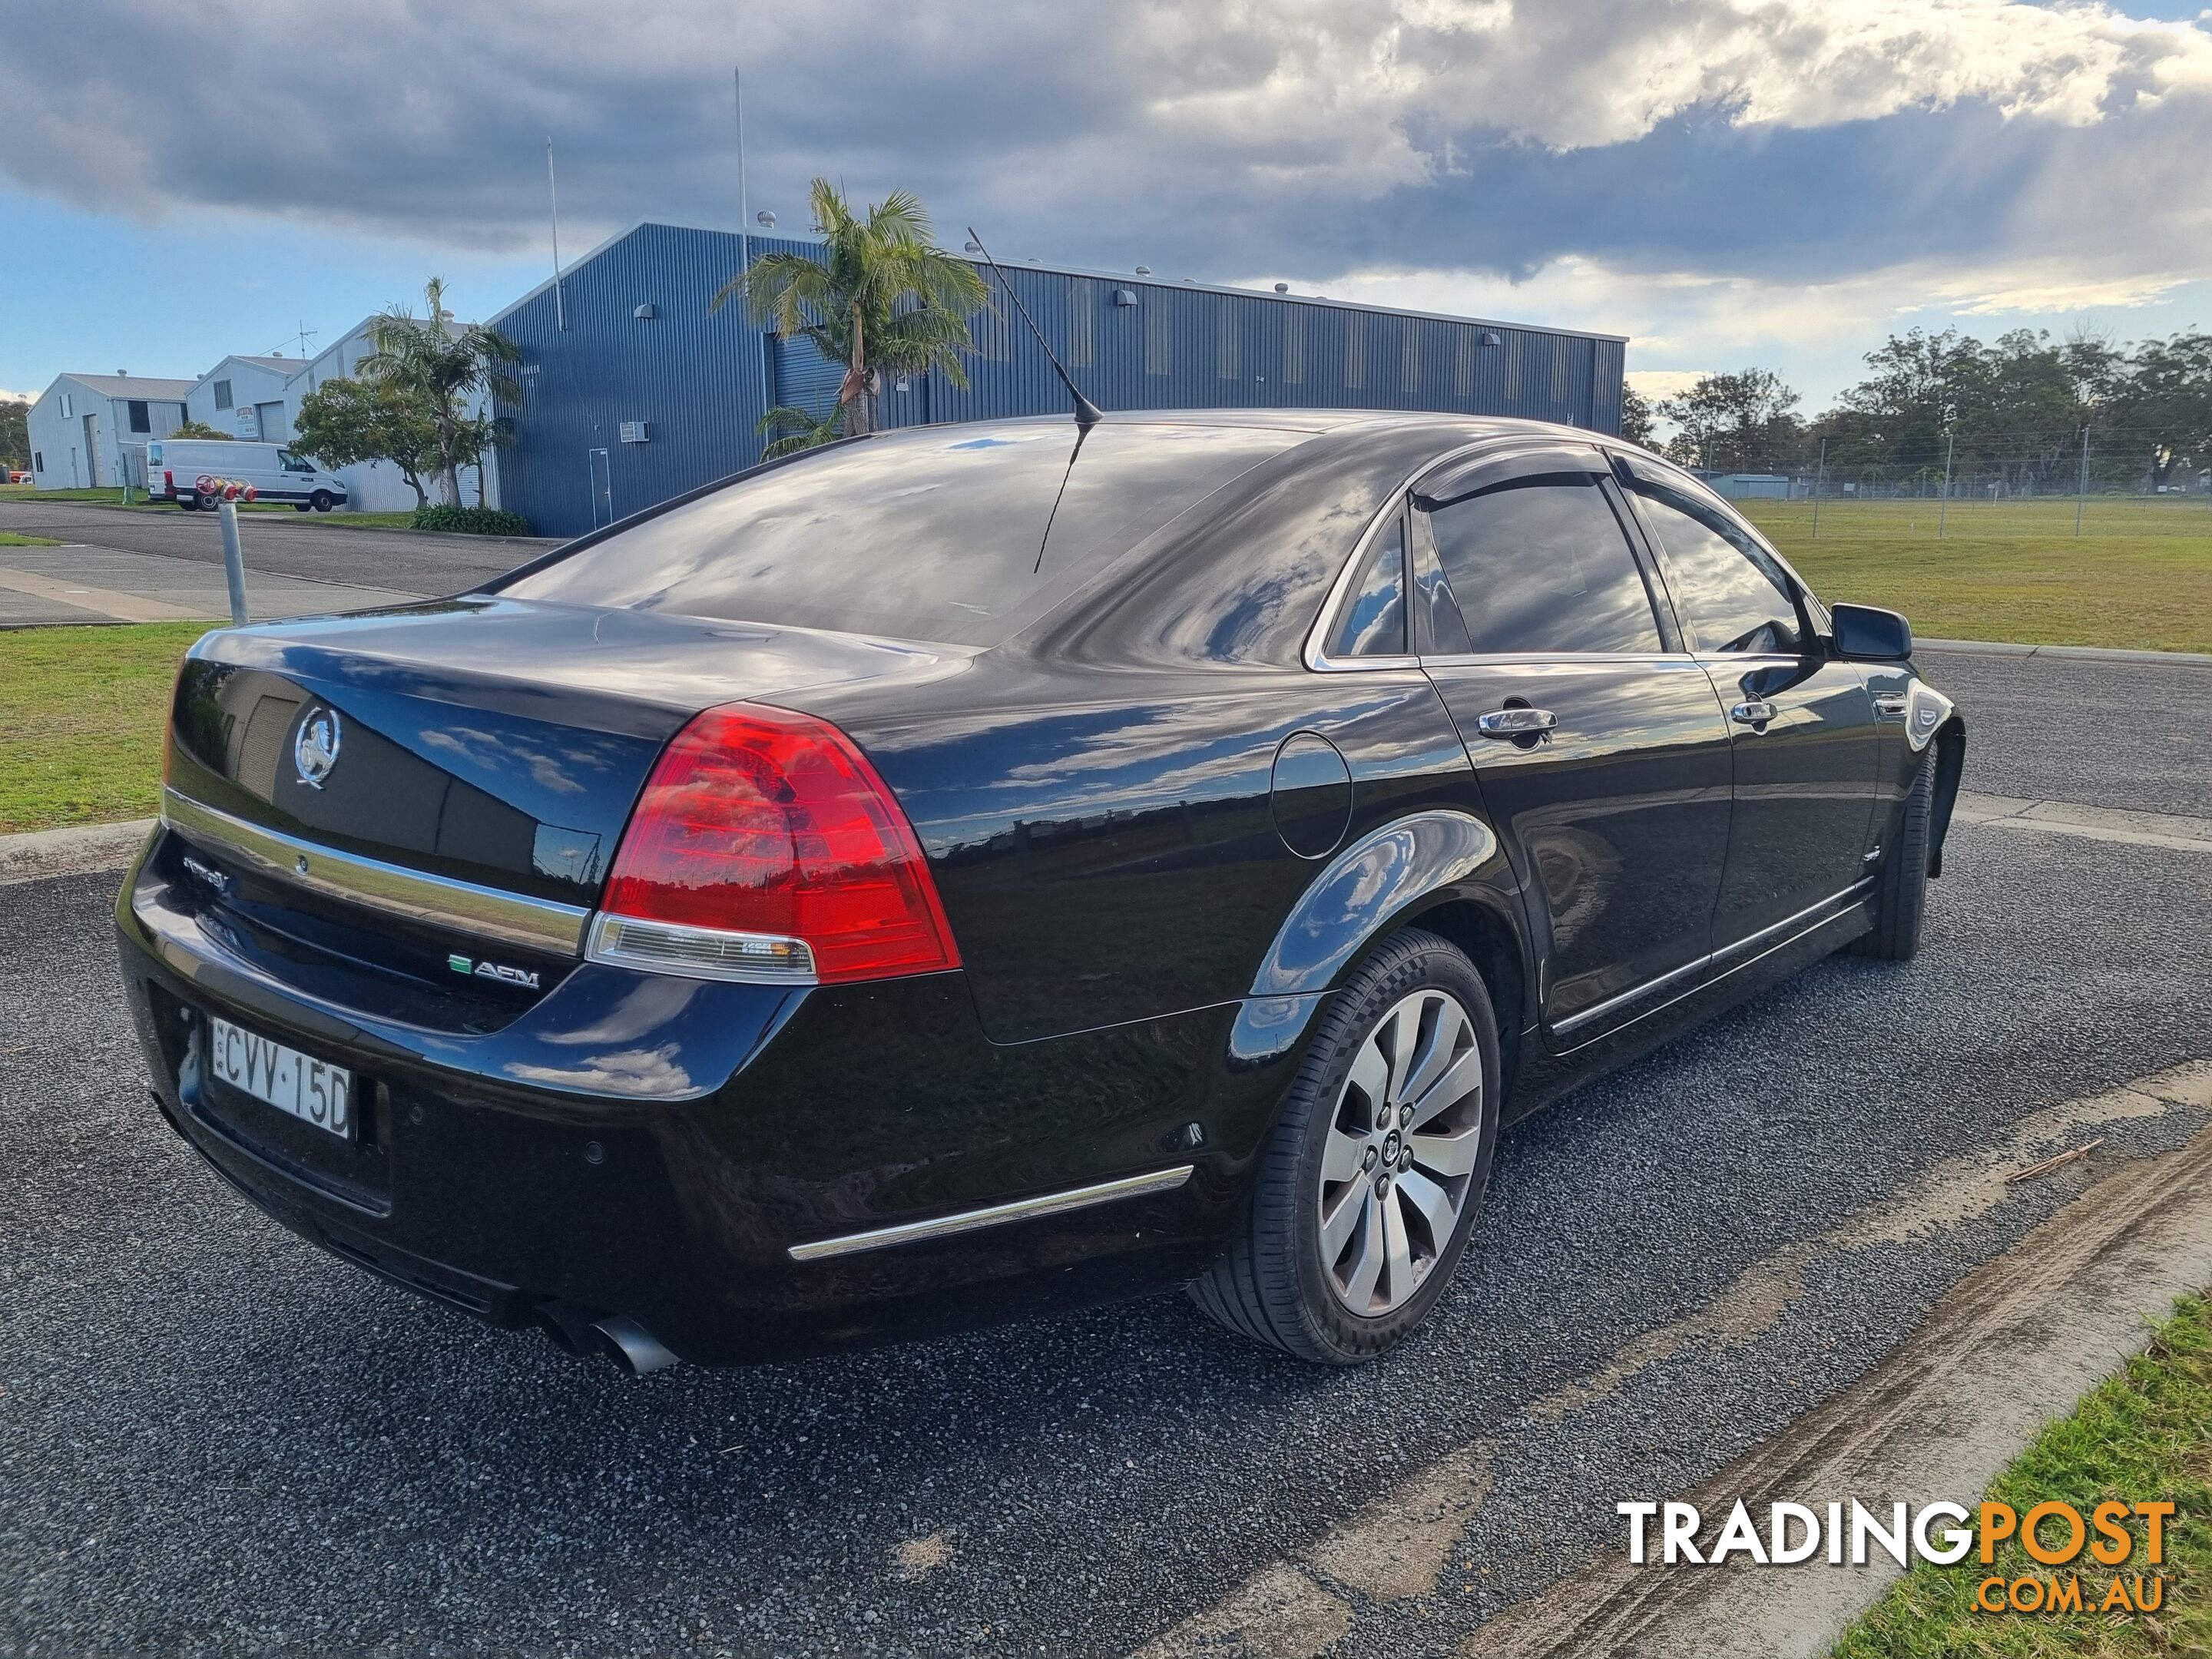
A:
1657,383
1716,177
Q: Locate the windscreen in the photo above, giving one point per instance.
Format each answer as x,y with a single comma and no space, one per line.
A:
956,536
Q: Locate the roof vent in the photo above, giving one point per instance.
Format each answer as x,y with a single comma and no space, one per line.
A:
647,313
1144,270
1282,288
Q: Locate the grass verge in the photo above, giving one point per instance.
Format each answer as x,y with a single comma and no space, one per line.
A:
2143,1435
81,716
9,538
140,504
2140,577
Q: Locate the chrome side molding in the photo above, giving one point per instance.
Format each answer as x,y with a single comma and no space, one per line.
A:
1769,937
1022,1209
516,918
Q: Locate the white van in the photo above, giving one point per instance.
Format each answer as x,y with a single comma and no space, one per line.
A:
175,466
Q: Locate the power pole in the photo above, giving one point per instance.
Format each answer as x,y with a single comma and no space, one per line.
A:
2082,487
1820,479
745,245
1944,507
553,194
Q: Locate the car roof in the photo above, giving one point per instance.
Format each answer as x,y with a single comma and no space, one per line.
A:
1316,421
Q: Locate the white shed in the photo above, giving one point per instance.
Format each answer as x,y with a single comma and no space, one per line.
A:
244,397
83,426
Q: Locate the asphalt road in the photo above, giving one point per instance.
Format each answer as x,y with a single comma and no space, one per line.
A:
286,543
213,1438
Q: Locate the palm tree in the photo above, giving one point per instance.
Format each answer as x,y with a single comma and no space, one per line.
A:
427,361
882,299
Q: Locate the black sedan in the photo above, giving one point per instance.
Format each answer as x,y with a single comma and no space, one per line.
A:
975,870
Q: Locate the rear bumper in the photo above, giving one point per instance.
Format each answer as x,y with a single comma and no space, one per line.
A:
658,1148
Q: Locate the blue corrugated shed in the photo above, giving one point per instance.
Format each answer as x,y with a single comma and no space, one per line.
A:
641,346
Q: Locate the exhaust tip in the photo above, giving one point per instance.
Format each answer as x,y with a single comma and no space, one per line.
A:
633,1347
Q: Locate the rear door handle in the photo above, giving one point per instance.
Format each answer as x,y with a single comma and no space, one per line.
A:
1754,713
1516,722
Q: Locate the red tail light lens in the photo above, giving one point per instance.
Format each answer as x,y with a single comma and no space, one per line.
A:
767,837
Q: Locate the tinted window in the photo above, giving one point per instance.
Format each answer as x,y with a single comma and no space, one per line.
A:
136,410
952,535
1373,622
1731,594
1540,564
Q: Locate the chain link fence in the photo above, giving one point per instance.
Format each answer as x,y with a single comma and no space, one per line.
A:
2105,482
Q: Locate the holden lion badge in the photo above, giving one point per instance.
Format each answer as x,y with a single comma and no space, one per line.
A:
315,751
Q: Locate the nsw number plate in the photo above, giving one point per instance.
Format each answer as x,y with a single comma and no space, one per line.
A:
311,1091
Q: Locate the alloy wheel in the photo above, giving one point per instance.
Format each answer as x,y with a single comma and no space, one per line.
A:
1401,1153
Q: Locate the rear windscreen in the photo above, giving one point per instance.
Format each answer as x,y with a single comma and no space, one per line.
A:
946,535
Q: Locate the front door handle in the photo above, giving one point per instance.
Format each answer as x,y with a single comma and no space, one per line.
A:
1754,713
1516,722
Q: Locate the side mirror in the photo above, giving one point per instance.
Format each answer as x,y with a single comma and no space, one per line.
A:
1870,633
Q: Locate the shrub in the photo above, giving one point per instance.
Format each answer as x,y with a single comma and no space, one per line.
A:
472,521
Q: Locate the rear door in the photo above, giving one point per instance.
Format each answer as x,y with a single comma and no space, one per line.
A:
1808,747
1600,749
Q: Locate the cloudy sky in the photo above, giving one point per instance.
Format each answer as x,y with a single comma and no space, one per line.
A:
1726,181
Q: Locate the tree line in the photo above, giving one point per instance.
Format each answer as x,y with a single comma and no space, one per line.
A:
2011,414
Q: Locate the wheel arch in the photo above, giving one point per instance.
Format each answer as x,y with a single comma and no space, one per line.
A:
1445,871
1479,925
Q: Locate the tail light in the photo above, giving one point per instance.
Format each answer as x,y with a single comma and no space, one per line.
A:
169,481
765,847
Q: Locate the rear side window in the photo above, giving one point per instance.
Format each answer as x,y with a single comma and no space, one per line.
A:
1540,563
1730,593
1373,623
957,537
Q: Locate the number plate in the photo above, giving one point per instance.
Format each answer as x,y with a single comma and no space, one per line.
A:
288,1080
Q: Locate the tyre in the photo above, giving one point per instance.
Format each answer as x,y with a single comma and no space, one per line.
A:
1901,886
1369,1184
321,501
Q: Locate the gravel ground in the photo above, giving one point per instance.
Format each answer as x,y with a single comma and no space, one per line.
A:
212,1438
285,543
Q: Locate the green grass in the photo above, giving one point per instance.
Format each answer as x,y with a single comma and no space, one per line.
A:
364,520
80,717
2143,1435
2140,576
32,493
9,538
140,504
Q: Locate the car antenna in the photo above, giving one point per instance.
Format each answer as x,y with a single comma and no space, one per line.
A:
1087,414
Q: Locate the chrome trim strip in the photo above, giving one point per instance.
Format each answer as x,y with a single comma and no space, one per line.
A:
540,924
1620,999
1810,914
1022,1209
1562,659
1834,902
